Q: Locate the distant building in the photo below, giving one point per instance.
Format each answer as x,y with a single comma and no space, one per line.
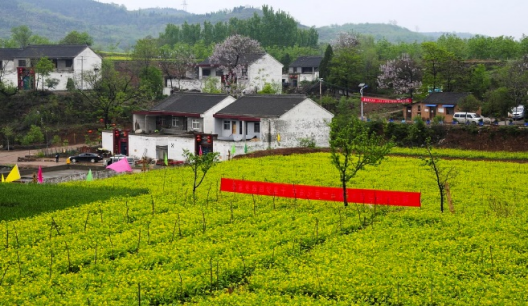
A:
304,68
444,104
17,65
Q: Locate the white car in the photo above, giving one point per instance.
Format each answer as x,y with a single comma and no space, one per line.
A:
517,112
116,158
469,117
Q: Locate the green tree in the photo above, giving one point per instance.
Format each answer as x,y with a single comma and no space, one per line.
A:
479,81
469,104
353,147
8,133
200,165
211,86
33,136
442,173
324,67
44,67
497,103
111,92
21,35
76,38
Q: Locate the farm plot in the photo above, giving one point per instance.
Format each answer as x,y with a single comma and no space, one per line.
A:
167,247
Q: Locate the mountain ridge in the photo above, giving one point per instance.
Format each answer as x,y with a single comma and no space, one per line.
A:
114,25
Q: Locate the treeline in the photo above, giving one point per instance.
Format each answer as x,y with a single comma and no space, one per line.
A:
270,29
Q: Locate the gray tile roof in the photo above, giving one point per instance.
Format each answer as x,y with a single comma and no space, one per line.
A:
307,61
262,106
191,103
445,98
245,59
9,53
51,51
38,51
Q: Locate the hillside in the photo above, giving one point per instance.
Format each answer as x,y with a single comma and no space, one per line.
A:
111,24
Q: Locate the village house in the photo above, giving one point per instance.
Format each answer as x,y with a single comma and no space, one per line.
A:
443,104
202,123
17,65
304,68
258,69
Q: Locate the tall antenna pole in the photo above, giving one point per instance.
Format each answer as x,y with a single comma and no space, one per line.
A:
184,5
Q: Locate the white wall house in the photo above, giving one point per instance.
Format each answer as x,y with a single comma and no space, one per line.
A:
70,62
250,123
258,69
304,68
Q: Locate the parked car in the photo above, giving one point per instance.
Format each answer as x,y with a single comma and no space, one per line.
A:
517,112
472,118
116,158
86,157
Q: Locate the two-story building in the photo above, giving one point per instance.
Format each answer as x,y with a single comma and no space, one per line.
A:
257,70
70,62
304,68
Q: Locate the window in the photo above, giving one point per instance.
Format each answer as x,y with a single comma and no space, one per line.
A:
206,72
227,125
256,128
176,121
307,70
219,72
22,63
195,124
68,63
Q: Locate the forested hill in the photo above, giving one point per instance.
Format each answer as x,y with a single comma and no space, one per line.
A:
112,24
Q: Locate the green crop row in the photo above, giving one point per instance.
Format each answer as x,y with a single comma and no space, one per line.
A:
167,247
464,154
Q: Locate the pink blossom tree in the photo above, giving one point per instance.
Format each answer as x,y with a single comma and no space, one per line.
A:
403,75
228,56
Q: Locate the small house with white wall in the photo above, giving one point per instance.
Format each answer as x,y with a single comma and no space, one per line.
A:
207,122
17,65
304,68
259,122
257,70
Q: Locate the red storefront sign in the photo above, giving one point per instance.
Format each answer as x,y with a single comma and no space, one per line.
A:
359,196
383,100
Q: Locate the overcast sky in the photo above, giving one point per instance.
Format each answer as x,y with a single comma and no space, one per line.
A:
487,17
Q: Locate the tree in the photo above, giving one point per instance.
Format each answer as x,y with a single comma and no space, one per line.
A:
228,54
76,38
175,63
110,90
200,165
403,75
324,67
442,174
497,103
44,67
353,147
479,81
33,136
515,78
346,64
21,35
435,60
469,104
8,132
145,52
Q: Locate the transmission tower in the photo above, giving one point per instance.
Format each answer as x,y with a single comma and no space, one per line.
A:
184,5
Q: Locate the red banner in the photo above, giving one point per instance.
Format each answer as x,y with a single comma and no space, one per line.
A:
383,100
360,196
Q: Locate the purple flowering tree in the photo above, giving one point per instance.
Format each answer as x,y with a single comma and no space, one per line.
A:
403,75
228,54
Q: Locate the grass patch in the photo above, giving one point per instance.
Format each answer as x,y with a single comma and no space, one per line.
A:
26,200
